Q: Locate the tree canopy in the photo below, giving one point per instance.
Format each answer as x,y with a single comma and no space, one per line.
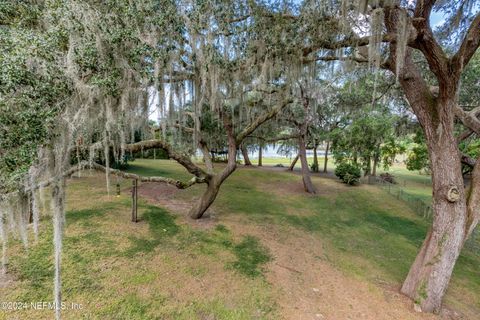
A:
80,78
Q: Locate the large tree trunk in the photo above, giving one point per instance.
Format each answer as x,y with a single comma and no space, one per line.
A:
207,199
368,168
315,158
260,155
326,157
213,185
430,274
307,181
294,162
375,165
246,159
454,214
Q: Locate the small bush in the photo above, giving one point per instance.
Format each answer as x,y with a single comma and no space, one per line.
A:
348,173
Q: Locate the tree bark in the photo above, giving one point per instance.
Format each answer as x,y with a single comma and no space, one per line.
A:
206,200
307,181
432,269
326,157
246,159
315,158
260,155
294,162
428,278
368,168
375,164
430,274
214,183
206,156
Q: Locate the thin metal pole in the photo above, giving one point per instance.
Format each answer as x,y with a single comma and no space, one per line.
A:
134,200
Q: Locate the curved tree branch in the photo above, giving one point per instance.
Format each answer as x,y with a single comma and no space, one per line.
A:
177,183
426,42
85,164
469,119
182,159
470,44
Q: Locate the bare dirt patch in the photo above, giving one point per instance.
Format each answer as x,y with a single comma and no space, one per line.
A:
6,280
164,195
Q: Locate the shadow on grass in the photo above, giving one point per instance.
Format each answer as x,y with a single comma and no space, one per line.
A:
74,216
162,226
250,254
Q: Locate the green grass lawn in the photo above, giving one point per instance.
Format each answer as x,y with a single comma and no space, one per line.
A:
370,232
164,268
152,269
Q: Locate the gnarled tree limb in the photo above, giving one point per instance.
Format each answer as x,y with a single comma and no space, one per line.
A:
426,42
464,135
470,44
345,43
468,119
177,183
84,164
182,159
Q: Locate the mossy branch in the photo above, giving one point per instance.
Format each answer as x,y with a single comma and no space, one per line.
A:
182,159
95,166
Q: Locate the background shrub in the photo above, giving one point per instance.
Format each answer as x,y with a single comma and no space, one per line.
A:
348,173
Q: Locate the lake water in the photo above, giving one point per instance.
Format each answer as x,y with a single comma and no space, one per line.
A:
271,152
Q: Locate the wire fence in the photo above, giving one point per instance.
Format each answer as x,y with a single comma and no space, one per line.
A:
421,207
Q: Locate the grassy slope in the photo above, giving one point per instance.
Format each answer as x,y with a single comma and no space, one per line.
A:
366,228
150,270
155,268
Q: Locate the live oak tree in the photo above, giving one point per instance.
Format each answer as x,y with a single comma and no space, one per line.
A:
240,60
404,27
456,211
302,117
112,58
